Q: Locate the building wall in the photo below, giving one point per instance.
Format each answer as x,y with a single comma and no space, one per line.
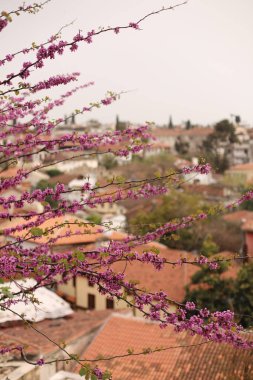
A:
19,370
249,242
107,208
239,176
82,291
68,288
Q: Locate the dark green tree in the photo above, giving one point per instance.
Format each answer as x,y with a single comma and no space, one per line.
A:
208,287
43,185
54,172
166,211
211,289
182,147
243,299
218,144
94,218
237,119
109,161
120,125
188,124
170,125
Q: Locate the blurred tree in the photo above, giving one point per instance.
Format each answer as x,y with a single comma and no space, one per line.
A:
43,185
166,211
244,294
208,287
217,145
209,247
94,218
170,125
196,237
54,172
120,125
182,147
109,161
188,124
237,119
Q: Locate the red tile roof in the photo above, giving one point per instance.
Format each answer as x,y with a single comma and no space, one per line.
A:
248,226
174,132
214,190
243,167
60,330
240,216
208,361
170,279
89,233
10,172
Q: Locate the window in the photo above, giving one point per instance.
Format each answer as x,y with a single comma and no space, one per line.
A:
91,301
109,304
90,284
74,281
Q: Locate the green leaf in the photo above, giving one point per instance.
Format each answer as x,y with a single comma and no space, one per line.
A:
6,291
82,371
80,256
36,231
93,377
107,375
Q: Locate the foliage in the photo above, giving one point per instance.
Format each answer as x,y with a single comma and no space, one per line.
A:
167,210
248,204
109,161
192,238
147,167
170,124
43,185
182,147
217,145
188,124
94,218
243,297
209,247
53,172
213,292
211,289
208,288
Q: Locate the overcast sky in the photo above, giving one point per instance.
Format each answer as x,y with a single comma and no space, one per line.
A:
193,63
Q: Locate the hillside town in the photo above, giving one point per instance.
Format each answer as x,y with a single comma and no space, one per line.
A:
80,316
126,190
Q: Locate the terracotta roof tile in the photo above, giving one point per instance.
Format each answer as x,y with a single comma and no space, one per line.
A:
207,361
170,279
239,216
248,226
175,132
8,173
60,330
89,233
242,167
214,190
